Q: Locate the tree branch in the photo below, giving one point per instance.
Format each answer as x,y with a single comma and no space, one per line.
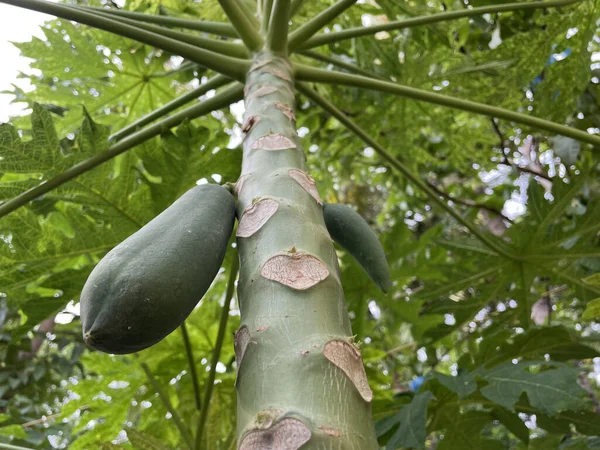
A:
306,73
328,38
243,24
300,35
221,100
218,28
232,67
211,84
413,178
217,350
278,27
222,47
185,434
190,357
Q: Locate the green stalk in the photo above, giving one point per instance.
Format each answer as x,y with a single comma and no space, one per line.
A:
221,100
192,363
296,7
13,447
278,27
211,84
267,8
243,24
336,36
294,321
218,28
185,434
306,31
525,304
400,167
227,48
248,11
339,63
325,76
210,382
232,67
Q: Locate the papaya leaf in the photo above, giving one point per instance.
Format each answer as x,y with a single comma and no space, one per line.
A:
411,431
464,431
512,422
144,441
550,391
592,310
555,341
586,422
463,384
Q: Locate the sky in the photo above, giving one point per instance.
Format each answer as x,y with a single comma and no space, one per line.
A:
16,25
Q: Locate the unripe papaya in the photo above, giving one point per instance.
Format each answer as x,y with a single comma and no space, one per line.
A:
146,286
352,232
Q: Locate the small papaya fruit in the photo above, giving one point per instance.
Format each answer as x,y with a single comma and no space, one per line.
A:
146,286
351,231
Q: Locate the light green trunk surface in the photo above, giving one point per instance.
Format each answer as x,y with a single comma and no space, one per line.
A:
301,381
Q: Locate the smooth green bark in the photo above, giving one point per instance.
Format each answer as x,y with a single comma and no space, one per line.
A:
293,314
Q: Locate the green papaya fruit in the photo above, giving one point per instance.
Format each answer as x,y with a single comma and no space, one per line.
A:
146,286
351,231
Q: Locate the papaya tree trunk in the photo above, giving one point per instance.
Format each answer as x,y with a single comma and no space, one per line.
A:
301,382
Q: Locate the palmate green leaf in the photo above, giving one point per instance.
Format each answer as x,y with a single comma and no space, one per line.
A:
512,422
592,310
593,280
555,245
13,432
555,341
411,432
549,391
49,247
118,81
586,422
464,431
543,443
463,384
184,158
143,441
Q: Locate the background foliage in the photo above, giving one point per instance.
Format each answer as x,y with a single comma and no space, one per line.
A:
470,349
